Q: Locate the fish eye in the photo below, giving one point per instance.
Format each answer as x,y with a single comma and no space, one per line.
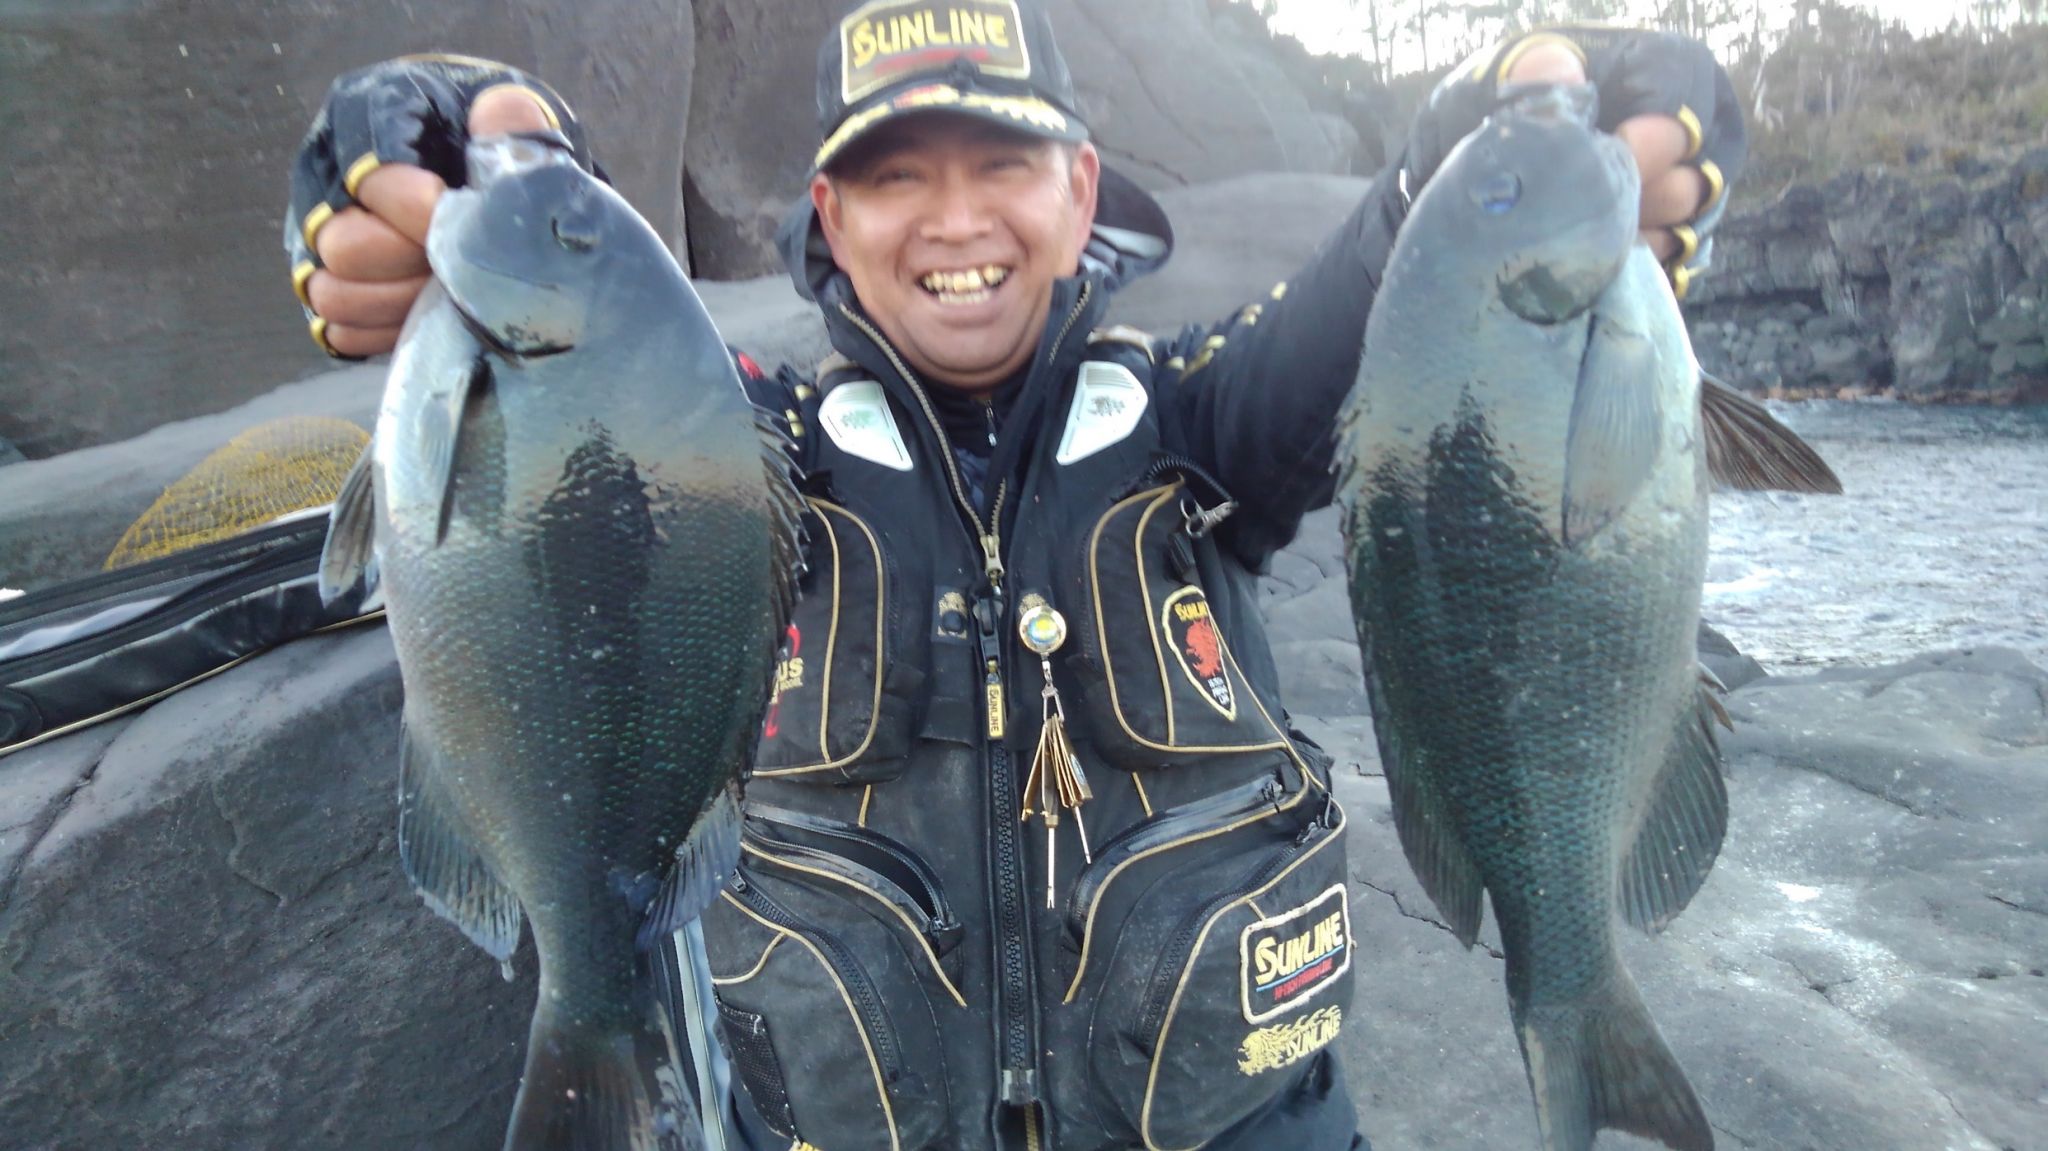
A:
1497,194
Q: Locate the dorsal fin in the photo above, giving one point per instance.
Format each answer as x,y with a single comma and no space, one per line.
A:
1749,450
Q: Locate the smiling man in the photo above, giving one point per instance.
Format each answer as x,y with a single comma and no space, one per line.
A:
1033,857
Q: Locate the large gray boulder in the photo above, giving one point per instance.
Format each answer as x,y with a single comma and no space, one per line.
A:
1867,966
1233,241
206,941
149,147
1175,91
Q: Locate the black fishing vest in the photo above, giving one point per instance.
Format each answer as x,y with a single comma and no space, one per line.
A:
887,967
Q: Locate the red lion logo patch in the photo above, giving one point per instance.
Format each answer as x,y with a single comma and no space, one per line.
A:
1204,652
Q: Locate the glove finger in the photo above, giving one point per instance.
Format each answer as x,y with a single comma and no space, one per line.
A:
397,112
1726,149
313,178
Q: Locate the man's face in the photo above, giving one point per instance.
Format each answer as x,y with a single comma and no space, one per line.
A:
953,232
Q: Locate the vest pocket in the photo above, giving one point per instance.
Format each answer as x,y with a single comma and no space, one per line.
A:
1170,681
846,685
840,1040
1223,980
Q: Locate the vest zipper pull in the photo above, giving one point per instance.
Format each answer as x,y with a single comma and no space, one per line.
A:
992,562
988,623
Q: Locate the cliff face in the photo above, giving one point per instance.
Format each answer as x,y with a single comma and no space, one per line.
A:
1929,285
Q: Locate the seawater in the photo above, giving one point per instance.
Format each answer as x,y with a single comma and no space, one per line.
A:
1939,540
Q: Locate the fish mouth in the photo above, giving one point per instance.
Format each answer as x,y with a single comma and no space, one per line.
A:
1563,275
513,313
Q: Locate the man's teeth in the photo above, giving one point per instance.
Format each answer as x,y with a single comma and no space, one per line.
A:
969,282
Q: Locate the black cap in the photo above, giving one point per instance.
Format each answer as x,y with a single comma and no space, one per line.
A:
991,59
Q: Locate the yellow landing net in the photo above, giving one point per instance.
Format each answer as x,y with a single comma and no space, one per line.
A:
271,469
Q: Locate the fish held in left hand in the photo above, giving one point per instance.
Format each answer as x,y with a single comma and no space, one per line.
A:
587,542
1529,449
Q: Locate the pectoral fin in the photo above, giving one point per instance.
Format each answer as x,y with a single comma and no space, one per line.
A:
1615,430
348,557
437,436
1748,449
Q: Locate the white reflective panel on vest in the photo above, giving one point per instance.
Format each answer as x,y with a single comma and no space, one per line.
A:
1108,402
856,415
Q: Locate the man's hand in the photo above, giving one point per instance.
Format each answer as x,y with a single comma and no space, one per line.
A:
1663,95
373,254
388,143
1674,193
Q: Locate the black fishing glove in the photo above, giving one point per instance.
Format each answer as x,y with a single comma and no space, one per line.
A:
412,110
1636,72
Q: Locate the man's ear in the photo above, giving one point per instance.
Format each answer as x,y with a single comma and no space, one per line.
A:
1085,180
825,201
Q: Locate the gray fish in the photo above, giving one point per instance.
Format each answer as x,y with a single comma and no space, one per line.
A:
587,543
1526,477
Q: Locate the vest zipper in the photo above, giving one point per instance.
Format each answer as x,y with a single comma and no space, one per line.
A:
1016,1062
848,970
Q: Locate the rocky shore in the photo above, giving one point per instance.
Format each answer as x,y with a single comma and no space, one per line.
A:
1927,282
206,940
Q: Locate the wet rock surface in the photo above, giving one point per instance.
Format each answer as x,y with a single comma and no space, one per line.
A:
1867,966
201,912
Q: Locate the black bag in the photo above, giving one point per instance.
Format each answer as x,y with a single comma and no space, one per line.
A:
91,649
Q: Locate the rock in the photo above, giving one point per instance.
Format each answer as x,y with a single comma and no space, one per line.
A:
208,942
1171,99
1928,284
1720,656
60,517
1864,968
144,280
1233,241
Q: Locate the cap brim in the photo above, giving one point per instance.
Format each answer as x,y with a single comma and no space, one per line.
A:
1028,114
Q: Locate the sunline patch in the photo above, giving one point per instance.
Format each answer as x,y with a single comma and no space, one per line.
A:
1285,960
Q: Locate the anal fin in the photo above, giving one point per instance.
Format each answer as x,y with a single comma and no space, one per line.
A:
1749,450
440,856
1681,833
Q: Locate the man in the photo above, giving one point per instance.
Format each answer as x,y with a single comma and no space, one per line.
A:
1034,858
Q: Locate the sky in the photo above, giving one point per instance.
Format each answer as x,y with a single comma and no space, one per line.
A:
1339,25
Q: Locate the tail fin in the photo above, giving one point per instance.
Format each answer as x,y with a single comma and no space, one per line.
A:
1603,1064
589,1087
